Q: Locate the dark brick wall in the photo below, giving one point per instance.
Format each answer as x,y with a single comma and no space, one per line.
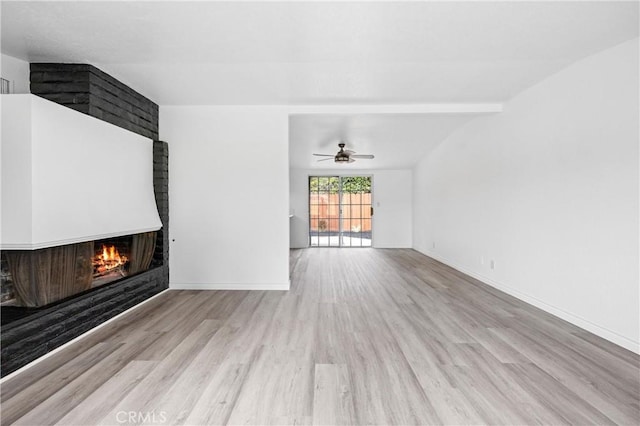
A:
87,89
161,190
25,340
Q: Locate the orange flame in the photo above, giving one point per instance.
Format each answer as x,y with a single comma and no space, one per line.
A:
109,259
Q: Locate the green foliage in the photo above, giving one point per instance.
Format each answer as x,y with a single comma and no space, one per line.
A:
331,184
324,184
356,184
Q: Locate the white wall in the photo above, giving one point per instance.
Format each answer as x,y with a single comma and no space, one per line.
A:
53,161
392,193
392,199
299,207
17,72
549,191
229,196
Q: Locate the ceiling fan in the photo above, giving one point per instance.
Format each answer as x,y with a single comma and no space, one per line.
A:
344,155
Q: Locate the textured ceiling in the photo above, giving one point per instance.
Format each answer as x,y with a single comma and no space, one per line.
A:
396,140
324,53
318,52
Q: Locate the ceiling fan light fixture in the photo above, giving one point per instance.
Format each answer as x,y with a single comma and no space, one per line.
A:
344,155
342,158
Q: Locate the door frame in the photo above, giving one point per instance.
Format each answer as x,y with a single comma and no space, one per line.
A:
340,176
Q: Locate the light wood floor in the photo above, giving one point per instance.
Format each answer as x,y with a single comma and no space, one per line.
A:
364,336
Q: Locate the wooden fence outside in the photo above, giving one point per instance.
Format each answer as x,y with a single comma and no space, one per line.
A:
325,212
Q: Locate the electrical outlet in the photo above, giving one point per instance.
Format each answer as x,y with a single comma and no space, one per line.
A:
433,245
482,260
492,264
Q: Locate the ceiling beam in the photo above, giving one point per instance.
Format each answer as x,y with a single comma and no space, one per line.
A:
446,108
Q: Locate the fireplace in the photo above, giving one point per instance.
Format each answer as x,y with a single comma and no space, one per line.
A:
117,258
31,332
69,259
39,278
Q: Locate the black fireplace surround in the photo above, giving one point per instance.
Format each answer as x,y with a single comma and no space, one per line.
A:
91,91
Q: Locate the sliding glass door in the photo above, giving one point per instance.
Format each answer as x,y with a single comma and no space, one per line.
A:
340,211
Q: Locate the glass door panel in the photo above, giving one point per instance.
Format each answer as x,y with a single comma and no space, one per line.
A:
356,211
324,211
340,211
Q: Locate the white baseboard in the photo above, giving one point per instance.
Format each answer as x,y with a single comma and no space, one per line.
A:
576,320
82,336
230,286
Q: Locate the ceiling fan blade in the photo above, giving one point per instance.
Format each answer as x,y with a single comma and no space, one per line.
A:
325,159
364,156
324,155
351,160
348,151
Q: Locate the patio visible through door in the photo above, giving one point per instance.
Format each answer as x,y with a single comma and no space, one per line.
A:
340,211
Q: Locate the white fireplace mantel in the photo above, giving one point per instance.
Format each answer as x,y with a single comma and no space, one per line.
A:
68,177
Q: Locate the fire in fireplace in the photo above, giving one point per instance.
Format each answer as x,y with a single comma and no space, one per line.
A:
109,261
37,278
